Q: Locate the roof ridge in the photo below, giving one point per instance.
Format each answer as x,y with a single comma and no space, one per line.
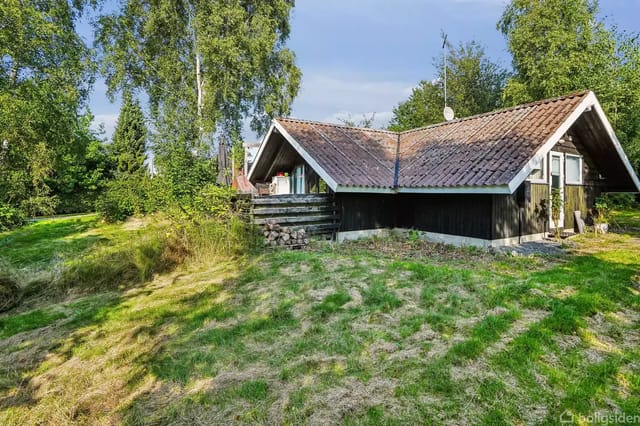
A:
343,126
502,110
444,123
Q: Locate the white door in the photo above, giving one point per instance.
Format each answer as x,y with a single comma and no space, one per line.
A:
556,181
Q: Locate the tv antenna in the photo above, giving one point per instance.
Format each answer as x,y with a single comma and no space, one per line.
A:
448,112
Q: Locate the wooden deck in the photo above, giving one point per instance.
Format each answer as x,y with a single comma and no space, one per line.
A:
316,213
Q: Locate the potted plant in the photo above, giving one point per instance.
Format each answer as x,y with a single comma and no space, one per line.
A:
556,209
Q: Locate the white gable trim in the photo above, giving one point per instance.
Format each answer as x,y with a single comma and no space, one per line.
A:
588,101
295,145
305,155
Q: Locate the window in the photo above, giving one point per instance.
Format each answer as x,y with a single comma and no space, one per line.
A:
539,172
555,171
574,169
297,181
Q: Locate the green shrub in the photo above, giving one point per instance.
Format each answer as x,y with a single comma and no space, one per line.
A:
621,201
10,217
215,201
124,197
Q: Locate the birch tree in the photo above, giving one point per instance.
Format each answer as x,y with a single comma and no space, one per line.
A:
218,61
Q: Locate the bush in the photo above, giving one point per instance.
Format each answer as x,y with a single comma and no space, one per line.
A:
10,217
621,201
215,202
123,198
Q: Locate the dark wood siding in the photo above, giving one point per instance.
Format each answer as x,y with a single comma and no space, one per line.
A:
462,214
574,201
506,222
366,211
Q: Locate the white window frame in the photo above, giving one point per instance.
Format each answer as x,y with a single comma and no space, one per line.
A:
543,162
581,180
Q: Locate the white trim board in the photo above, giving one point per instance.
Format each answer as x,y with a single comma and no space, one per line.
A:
456,190
590,101
616,144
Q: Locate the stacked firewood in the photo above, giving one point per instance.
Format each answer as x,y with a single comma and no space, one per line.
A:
281,236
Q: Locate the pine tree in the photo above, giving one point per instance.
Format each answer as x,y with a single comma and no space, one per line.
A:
129,139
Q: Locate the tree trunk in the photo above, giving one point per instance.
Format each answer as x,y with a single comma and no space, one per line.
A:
199,79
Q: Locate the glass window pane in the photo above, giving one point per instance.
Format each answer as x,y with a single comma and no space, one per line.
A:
573,170
555,165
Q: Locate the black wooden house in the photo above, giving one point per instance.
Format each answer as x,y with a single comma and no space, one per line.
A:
483,180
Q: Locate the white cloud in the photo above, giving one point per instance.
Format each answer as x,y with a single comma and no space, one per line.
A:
329,97
321,94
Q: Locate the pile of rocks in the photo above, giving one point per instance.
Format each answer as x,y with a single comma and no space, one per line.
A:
280,236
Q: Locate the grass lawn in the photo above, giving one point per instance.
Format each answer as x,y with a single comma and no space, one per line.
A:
375,332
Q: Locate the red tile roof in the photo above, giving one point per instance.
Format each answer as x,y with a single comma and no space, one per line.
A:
484,150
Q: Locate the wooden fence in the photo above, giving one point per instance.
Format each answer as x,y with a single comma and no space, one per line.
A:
316,213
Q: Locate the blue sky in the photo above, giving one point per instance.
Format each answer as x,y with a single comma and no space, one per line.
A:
363,56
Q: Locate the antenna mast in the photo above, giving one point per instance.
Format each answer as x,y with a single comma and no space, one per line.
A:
444,54
448,112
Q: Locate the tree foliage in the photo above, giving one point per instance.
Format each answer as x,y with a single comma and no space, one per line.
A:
206,66
217,61
474,86
45,76
560,47
130,137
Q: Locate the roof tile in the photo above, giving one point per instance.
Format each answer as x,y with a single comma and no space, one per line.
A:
484,150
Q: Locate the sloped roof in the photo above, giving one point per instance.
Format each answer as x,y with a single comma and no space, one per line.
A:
483,150
352,156
492,152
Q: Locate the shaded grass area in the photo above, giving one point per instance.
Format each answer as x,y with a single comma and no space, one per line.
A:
40,243
423,334
629,218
